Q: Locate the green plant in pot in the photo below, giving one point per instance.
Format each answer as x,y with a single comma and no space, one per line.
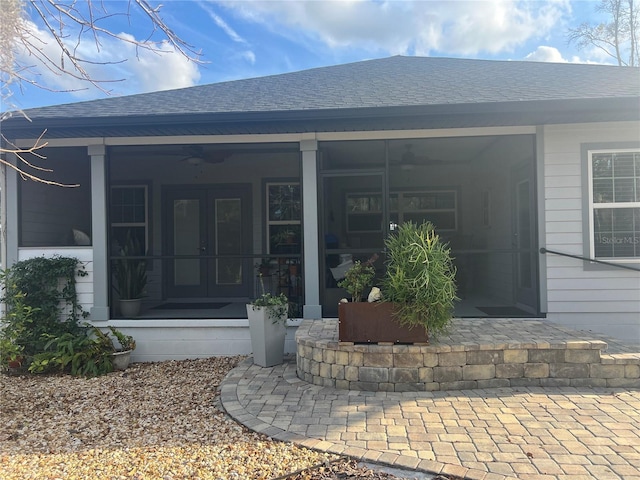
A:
358,279
11,355
420,278
267,315
264,266
131,278
120,357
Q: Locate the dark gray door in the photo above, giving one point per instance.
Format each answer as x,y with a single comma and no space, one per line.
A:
212,226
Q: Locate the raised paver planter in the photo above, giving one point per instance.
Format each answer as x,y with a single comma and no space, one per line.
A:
508,353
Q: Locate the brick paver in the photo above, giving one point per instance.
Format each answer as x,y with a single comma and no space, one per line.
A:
501,433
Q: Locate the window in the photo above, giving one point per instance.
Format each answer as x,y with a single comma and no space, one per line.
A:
614,199
129,215
283,217
364,210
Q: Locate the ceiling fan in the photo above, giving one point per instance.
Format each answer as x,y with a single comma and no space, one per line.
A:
195,155
409,160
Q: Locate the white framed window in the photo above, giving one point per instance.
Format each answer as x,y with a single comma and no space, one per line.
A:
440,207
284,213
614,204
129,210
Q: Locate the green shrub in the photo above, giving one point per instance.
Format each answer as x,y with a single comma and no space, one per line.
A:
41,298
78,354
357,279
420,277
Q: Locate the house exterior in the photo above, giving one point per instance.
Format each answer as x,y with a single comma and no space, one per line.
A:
531,171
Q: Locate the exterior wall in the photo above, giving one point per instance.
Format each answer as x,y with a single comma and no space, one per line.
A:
84,285
48,212
159,340
605,299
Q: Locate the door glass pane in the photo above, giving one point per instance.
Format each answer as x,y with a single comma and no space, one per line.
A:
228,212
186,241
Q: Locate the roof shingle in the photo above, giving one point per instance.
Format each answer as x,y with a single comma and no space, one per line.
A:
388,82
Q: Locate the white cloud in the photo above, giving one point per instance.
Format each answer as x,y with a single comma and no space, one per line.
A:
546,54
249,56
119,66
409,27
233,35
551,54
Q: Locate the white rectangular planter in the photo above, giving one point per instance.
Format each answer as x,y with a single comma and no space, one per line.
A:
267,336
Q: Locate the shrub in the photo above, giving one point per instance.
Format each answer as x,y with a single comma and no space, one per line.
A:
357,279
40,296
78,354
420,277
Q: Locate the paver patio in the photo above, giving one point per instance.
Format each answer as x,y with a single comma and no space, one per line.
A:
491,434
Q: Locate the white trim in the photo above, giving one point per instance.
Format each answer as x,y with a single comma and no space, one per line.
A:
284,137
269,223
144,224
425,133
593,205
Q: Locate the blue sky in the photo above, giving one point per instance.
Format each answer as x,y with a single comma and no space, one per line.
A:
251,38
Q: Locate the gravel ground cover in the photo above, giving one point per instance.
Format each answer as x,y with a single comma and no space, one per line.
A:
153,421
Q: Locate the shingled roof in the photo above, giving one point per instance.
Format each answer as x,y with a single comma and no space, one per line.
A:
405,86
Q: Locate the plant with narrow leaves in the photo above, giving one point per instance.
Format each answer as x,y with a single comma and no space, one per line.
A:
126,341
420,277
130,273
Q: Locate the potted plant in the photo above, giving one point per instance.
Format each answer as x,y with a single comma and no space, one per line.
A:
11,355
264,267
418,290
420,278
358,278
120,356
131,278
284,236
267,316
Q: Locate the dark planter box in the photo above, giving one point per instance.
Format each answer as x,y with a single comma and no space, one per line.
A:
364,322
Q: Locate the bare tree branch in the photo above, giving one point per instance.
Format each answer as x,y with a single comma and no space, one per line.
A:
21,154
617,38
70,23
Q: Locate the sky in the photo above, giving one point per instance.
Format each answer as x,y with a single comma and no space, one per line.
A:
254,38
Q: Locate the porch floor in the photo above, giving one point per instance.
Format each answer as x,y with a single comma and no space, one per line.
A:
470,307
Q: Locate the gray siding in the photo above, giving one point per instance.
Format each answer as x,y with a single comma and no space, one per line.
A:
605,300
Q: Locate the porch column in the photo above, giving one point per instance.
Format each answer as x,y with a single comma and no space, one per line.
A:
10,213
312,307
100,309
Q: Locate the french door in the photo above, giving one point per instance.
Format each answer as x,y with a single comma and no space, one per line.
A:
210,226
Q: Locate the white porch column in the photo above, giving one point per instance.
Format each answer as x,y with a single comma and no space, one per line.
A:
312,307
10,213
100,309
